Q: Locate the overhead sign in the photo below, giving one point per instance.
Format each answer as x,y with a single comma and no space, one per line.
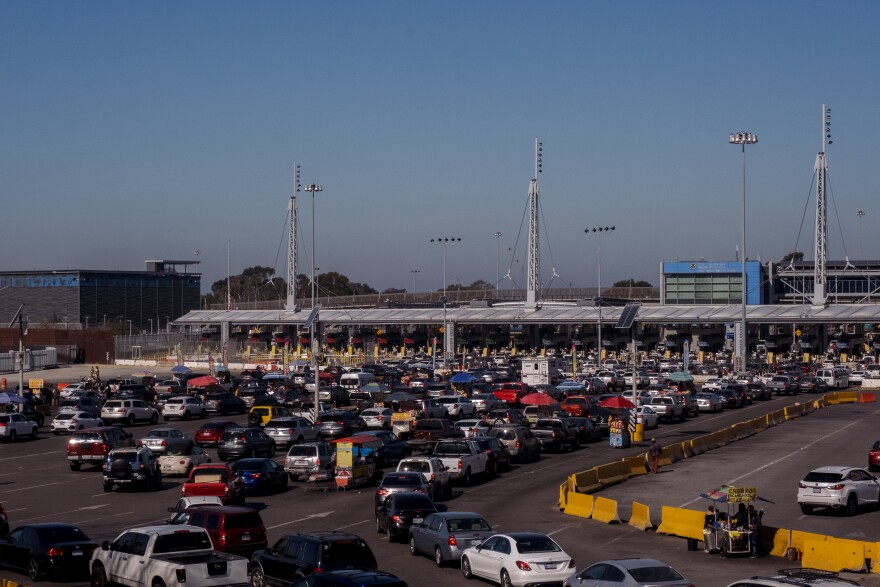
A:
742,494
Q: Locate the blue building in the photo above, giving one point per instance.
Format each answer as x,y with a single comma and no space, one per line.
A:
707,282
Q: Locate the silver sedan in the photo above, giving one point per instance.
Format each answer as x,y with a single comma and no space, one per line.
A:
709,402
444,535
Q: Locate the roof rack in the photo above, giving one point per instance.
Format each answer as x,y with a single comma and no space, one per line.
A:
807,576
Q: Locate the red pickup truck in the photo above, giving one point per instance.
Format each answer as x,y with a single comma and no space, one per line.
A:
91,446
511,392
215,479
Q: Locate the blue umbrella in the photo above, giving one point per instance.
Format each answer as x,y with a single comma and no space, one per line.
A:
462,378
181,370
11,398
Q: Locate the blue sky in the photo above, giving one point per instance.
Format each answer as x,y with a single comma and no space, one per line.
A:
135,131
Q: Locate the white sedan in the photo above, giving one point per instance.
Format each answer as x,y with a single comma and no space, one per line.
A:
377,418
180,461
648,417
73,421
517,559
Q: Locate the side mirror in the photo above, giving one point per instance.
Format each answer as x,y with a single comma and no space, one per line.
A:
479,547
105,545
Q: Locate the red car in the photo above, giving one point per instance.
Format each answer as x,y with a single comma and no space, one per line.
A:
511,392
874,457
210,432
576,405
233,529
217,480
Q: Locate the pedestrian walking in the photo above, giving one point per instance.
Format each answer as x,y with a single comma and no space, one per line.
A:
654,452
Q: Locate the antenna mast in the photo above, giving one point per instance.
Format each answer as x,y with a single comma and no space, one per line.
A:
291,241
820,277
534,243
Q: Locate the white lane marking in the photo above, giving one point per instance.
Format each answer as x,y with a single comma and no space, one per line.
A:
309,517
26,488
51,452
20,469
782,458
103,518
558,530
16,510
354,524
19,457
67,512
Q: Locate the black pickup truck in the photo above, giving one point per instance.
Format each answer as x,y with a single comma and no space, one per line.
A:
556,433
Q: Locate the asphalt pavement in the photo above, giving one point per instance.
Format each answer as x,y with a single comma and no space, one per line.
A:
37,485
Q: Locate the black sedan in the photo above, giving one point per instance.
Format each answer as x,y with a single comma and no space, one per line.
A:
261,475
399,511
730,397
812,385
240,443
47,549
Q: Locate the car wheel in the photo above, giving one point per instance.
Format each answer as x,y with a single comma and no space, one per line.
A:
272,451
35,433
412,546
75,465
378,526
806,509
131,420
158,583
154,419
33,569
186,415
505,579
852,505
467,477
447,491
491,469
576,444
466,568
99,577
438,557
12,435
166,418
108,487
258,579
389,531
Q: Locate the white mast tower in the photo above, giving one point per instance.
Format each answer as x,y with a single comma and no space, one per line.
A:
291,242
534,243
820,297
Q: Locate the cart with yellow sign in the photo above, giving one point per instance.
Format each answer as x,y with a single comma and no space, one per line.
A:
356,461
733,533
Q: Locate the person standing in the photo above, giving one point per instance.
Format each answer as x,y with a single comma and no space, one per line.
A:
654,452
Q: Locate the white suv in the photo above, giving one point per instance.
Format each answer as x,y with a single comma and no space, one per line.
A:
14,425
434,472
184,407
128,411
838,487
802,577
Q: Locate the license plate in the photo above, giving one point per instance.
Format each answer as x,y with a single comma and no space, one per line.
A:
166,467
76,553
417,520
549,567
816,490
245,537
300,462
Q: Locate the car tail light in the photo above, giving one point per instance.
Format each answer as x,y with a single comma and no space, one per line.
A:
571,565
2,424
256,475
518,444
523,566
164,443
286,462
55,551
222,538
318,462
419,490
433,477
181,575
103,447
837,487
459,465
290,430
451,541
381,491
341,423
395,518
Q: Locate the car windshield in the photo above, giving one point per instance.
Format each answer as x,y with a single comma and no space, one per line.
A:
182,541
819,477
82,437
415,466
159,434
401,481
655,574
59,534
251,520
465,524
349,553
64,416
302,451
534,544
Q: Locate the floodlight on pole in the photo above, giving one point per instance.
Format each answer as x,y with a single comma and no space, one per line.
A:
742,139
446,240
599,231
497,259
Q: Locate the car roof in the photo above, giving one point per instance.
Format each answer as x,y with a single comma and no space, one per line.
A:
220,509
634,563
832,469
325,535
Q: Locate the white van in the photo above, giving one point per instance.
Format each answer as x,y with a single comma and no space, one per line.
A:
354,381
835,378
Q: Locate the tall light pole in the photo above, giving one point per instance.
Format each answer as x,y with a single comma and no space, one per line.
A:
861,214
150,320
313,188
445,241
497,259
415,273
599,231
741,359
129,327
168,324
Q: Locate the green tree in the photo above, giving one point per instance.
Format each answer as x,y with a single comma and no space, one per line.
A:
631,283
793,257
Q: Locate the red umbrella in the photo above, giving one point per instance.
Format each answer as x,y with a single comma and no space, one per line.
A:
538,399
202,381
618,401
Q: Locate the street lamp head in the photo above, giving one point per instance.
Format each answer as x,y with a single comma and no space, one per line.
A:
742,138
497,234
314,187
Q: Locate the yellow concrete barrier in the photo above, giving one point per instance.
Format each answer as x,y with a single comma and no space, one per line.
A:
687,449
641,516
671,454
699,445
777,539
612,473
759,424
605,510
716,440
637,465
682,522
587,481
729,435
847,397
563,494
799,538
743,430
580,504
809,407
871,549
837,555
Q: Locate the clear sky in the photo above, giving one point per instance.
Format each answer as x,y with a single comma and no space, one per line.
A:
146,130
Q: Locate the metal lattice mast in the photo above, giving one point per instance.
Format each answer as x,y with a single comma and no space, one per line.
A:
820,297
534,242
292,265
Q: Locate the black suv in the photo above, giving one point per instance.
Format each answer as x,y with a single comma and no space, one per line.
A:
297,555
136,467
499,455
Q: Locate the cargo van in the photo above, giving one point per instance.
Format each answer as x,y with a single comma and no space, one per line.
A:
354,381
836,378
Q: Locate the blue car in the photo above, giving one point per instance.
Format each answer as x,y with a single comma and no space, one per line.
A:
261,475
571,387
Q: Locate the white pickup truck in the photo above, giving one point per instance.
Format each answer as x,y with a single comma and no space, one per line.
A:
463,459
157,556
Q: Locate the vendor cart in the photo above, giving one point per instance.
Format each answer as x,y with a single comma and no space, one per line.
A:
356,461
732,533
